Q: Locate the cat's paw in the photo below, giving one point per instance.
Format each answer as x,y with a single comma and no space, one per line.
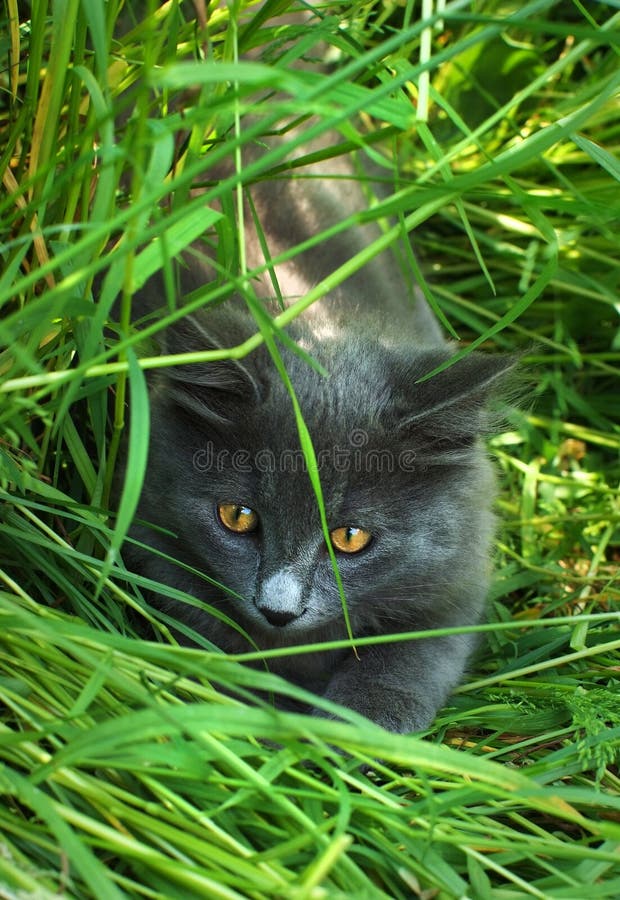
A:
394,710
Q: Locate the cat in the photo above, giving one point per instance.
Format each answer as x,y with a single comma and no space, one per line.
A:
407,485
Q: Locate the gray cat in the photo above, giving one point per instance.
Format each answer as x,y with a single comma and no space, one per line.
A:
407,486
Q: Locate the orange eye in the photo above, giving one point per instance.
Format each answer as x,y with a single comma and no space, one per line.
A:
237,518
350,540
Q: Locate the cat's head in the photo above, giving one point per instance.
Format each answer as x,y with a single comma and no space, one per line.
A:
406,487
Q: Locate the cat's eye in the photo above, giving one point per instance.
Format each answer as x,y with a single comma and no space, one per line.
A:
349,539
237,518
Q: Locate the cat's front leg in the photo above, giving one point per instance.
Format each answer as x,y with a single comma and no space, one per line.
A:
401,686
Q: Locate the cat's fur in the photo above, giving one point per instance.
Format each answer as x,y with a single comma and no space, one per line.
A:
411,470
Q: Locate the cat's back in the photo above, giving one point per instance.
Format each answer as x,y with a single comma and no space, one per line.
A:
304,222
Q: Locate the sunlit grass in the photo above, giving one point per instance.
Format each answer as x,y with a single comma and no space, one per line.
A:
126,770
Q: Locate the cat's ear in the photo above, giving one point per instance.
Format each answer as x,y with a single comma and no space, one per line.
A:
215,389
451,408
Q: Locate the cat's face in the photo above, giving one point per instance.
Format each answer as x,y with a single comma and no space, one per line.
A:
402,501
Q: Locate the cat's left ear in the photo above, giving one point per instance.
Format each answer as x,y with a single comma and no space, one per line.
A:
214,389
453,405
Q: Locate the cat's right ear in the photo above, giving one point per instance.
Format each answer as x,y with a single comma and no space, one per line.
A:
451,409
217,389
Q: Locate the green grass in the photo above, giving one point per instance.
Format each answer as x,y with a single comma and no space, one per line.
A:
123,772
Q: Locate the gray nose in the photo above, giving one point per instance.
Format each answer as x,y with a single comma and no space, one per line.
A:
280,598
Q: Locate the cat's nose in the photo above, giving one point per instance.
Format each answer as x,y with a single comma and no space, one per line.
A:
279,619
280,598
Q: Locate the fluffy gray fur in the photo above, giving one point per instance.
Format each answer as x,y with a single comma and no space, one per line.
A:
399,457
